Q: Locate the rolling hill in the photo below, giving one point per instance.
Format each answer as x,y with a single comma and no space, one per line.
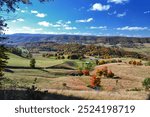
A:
30,38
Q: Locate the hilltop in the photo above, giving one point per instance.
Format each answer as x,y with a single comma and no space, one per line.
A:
109,40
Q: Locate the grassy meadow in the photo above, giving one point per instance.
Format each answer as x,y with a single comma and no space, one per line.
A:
53,73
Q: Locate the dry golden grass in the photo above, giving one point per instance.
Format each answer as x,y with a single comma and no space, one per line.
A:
103,95
131,77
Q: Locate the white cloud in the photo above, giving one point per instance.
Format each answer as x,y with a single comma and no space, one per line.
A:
121,14
118,1
31,29
100,27
14,21
44,23
85,20
68,22
62,23
132,28
24,29
20,20
146,12
34,12
70,28
41,15
55,25
100,7
59,24
23,11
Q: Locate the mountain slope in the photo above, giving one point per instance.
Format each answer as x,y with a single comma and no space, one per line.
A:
28,38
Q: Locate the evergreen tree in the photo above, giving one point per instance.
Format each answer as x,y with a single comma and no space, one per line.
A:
3,56
32,63
3,60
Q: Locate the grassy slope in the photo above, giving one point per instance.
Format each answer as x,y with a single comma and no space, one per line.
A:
54,78
142,50
15,60
40,61
46,62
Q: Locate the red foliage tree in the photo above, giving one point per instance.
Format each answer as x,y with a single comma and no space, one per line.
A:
86,72
95,82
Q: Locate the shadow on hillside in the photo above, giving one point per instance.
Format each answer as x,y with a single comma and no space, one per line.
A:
21,67
33,95
69,65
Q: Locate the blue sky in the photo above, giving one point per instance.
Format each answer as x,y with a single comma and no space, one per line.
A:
83,17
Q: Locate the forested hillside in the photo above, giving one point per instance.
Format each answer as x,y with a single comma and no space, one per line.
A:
121,41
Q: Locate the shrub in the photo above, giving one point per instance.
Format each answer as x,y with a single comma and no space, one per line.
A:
47,55
74,56
139,63
43,55
103,71
86,72
55,54
130,62
134,89
119,61
68,57
88,65
113,61
64,84
110,74
146,83
95,82
62,57
99,72
58,57
134,62
102,62
76,73
97,62
148,63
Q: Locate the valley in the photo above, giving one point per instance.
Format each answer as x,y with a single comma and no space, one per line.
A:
59,74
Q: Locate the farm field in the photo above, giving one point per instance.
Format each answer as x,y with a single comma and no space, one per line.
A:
142,50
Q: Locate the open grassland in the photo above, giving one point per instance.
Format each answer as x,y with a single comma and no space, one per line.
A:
143,50
53,79
40,61
46,62
54,73
43,62
15,60
104,95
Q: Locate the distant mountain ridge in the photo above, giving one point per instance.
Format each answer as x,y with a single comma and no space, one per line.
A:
32,38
